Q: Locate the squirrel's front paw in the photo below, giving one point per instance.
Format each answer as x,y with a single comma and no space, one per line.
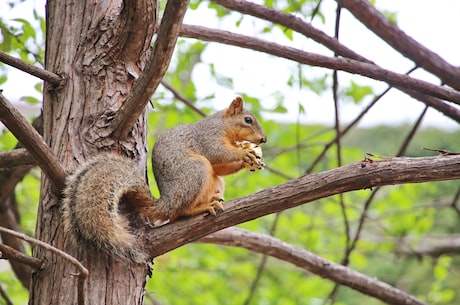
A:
216,204
253,158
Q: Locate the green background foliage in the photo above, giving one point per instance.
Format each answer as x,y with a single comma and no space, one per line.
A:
210,274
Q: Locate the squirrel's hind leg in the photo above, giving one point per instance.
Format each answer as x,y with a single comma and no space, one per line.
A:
211,191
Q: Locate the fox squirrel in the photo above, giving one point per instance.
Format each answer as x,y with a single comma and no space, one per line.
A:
188,162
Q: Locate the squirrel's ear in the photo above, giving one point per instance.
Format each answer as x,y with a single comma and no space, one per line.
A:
236,106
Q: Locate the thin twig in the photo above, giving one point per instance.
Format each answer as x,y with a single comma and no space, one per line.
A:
5,296
33,142
181,98
43,74
335,84
292,22
83,272
454,202
262,264
297,24
374,20
349,127
370,199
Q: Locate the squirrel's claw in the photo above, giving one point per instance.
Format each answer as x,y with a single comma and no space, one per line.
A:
215,205
252,158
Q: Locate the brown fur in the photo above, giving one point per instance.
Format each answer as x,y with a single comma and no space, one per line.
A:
105,195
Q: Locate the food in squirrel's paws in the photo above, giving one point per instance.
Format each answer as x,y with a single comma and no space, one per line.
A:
255,162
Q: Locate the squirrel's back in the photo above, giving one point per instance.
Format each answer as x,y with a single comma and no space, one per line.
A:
107,199
93,195
188,160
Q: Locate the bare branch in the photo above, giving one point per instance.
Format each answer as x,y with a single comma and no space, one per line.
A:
28,68
297,24
10,253
181,98
292,22
356,176
431,245
5,297
18,164
375,21
83,272
9,218
154,71
16,157
343,64
315,264
33,142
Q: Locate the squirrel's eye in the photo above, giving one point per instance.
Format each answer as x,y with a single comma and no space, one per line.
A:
248,120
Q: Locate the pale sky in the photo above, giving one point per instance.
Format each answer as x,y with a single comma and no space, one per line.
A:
432,23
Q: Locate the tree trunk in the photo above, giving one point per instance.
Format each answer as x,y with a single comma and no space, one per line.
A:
100,48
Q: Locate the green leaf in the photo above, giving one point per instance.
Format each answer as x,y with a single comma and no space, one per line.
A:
31,100
358,92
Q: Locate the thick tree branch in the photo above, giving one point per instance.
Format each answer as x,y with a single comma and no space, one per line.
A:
28,68
339,274
32,141
292,22
342,64
356,176
154,71
374,20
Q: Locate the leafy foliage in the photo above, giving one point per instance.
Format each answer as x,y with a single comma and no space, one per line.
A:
209,274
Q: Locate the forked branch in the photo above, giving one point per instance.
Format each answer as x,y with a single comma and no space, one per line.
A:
33,142
335,63
375,21
155,69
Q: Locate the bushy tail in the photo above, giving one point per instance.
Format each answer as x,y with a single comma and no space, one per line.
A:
93,197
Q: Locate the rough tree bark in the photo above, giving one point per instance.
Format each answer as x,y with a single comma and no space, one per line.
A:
99,47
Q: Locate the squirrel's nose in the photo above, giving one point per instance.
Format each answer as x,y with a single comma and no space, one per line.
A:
263,140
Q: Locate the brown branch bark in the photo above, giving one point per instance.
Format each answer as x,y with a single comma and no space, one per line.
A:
356,176
374,20
431,245
181,98
301,258
154,71
96,53
292,22
48,76
5,297
33,142
7,252
18,164
9,219
342,64
297,24
15,158
83,272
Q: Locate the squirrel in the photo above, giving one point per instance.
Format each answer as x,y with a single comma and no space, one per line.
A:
188,162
